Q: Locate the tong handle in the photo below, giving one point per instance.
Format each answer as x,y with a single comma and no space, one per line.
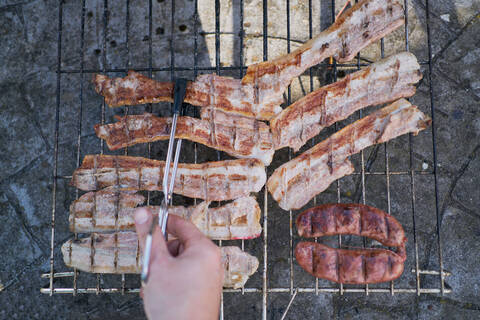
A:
179,91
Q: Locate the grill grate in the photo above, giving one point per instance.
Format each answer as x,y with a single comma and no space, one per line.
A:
265,290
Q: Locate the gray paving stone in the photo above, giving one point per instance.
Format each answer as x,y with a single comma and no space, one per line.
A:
21,136
460,238
459,61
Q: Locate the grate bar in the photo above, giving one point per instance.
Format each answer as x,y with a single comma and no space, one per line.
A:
289,101
334,71
374,173
223,68
265,189
255,290
217,70
71,274
241,73
412,175
79,124
435,163
310,36
55,144
387,165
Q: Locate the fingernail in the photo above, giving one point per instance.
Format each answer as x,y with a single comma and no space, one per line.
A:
141,216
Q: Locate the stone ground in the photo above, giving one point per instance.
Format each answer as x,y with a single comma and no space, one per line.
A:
28,84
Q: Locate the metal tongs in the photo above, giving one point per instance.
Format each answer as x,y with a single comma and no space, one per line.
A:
167,184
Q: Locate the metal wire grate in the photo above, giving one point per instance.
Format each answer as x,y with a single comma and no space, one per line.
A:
332,67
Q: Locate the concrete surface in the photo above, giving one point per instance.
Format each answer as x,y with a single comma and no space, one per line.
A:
28,84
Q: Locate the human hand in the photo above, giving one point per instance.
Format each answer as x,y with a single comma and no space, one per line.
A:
186,274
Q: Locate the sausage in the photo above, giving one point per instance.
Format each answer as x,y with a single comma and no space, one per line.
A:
351,219
360,266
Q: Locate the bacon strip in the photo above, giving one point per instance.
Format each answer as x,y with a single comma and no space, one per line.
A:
211,181
241,137
225,93
387,80
351,219
111,209
360,266
118,253
259,93
296,182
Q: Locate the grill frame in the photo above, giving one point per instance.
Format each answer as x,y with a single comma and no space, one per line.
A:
332,66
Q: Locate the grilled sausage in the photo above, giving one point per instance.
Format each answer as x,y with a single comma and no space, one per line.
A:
349,266
352,219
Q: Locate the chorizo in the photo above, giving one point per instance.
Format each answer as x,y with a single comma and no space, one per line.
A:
351,219
360,266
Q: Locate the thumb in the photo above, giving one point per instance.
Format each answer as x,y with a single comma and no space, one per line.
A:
143,223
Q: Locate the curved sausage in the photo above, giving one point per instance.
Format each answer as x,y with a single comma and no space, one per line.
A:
360,266
352,219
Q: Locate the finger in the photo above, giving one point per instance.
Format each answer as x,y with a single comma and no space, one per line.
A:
143,220
184,230
175,247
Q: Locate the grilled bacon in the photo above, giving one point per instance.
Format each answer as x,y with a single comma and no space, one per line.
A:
260,92
241,137
211,181
359,266
119,253
111,209
351,219
383,81
296,182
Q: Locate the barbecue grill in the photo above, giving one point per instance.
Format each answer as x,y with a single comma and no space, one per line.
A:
282,276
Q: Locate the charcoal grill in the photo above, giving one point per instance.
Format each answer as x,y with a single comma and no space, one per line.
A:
264,290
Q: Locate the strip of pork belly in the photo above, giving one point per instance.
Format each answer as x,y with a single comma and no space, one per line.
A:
207,90
387,80
260,93
211,181
240,137
359,266
365,22
111,209
351,219
118,253
296,182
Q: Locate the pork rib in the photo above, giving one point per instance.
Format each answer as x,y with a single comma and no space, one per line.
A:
118,253
241,137
211,181
111,209
359,266
383,81
351,219
260,92
296,182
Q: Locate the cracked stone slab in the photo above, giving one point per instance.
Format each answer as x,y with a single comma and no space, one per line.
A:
459,61
444,307
466,190
21,134
22,249
456,13
350,306
304,306
461,239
